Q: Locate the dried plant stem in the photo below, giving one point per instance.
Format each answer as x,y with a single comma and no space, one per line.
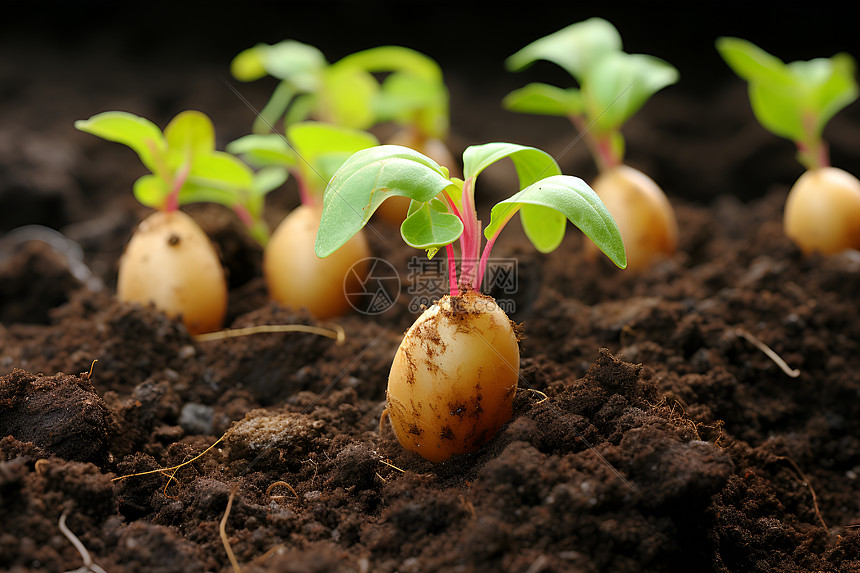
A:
88,566
335,333
173,468
222,528
794,373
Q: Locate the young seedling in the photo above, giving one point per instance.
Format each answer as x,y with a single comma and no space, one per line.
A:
613,85
795,101
169,261
295,276
414,97
411,95
454,376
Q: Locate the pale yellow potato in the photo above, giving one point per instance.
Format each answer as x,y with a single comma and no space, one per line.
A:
393,210
643,214
454,377
171,263
296,277
822,211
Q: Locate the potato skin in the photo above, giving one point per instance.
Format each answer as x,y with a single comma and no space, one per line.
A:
822,211
170,262
296,277
453,379
643,215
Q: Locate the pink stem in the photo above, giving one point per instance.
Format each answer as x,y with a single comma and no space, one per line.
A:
471,237
452,270
244,215
171,202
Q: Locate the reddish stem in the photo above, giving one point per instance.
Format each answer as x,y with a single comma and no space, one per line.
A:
171,202
600,147
452,270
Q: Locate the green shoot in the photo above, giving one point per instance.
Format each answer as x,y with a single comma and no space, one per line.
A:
443,208
185,167
795,100
613,85
346,92
311,151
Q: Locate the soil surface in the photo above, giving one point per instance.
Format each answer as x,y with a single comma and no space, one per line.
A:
703,415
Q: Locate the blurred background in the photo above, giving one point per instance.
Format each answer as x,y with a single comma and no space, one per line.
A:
61,61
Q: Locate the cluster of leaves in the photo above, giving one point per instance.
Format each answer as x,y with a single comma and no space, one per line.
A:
185,167
613,85
794,100
347,93
443,208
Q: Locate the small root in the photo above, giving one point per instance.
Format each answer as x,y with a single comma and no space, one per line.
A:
336,333
280,484
804,481
794,373
88,566
391,465
222,529
39,466
382,418
543,399
173,469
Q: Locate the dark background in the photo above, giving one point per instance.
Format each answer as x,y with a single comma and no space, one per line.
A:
61,61
473,36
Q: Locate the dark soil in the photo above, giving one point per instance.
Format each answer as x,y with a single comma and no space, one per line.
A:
651,431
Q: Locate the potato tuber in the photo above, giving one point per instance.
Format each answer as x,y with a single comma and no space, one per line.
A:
822,211
453,379
296,277
171,263
643,215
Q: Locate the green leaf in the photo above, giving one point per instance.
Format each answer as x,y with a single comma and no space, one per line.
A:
428,228
544,99
364,181
575,48
321,148
414,100
620,85
150,190
394,59
268,179
138,133
220,170
794,100
577,202
275,108
264,150
249,64
413,92
531,164
346,97
190,133
289,59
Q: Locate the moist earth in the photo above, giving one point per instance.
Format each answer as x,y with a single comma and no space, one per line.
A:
703,415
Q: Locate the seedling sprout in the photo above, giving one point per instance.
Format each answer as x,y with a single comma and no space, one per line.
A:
453,379
169,261
613,86
796,101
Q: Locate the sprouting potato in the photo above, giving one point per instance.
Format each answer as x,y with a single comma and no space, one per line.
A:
454,377
171,263
296,277
822,211
643,215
